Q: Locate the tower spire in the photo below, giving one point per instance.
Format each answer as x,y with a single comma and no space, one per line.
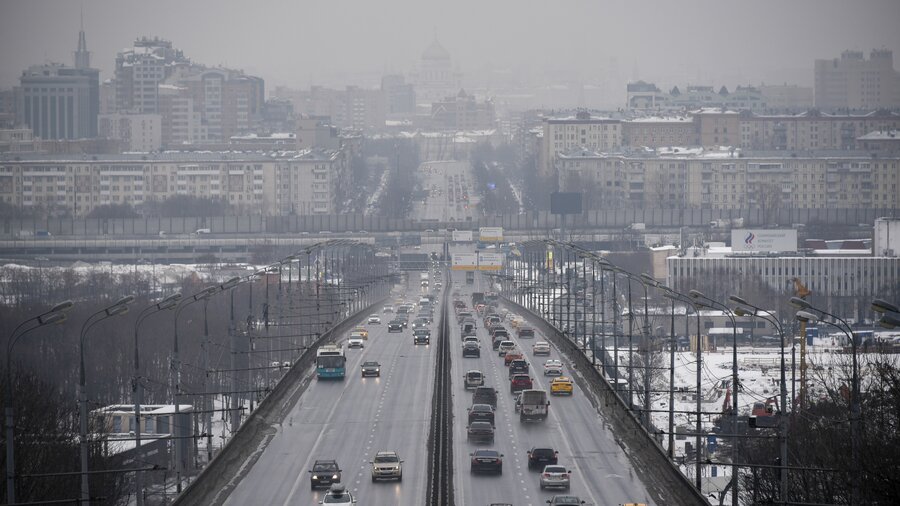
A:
82,56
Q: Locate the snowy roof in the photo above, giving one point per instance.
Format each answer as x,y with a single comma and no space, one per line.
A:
662,119
881,135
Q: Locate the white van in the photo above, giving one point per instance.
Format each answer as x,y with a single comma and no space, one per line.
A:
202,231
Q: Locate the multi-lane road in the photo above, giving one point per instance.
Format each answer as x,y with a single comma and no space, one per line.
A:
351,420
601,473
450,197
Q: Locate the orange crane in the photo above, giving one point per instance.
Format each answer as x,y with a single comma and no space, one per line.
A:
801,291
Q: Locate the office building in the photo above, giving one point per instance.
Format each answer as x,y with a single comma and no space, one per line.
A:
854,83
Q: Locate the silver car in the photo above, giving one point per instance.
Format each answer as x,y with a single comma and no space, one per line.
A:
387,466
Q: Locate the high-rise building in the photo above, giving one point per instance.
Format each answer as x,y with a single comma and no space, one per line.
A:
139,71
400,96
463,112
61,102
854,83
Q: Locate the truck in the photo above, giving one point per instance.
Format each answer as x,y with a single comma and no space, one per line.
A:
533,405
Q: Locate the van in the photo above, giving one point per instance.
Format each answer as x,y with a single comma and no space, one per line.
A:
533,405
485,395
201,231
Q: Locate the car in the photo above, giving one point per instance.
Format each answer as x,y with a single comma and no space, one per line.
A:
552,367
504,347
480,432
565,500
525,332
420,323
520,382
561,386
471,340
355,341
485,395
324,473
538,457
511,355
395,326
338,494
421,336
555,476
486,461
473,379
467,329
374,319
518,366
387,309
387,466
541,348
471,350
481,413
364,332
517,401
370,368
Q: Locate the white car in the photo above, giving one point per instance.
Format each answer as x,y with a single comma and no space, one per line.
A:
471,339
555,477
541,348
374,319
355,341
553,368
338,494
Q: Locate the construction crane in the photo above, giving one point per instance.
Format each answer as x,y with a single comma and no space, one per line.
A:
801,291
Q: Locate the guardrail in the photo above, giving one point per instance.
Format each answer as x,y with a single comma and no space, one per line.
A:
439,490
662,477
218,479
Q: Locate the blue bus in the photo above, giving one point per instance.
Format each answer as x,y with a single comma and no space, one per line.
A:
330,362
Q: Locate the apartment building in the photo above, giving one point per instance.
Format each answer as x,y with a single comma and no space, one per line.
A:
852,82
139,132
731,179
580,131
463,112
660,131
282,182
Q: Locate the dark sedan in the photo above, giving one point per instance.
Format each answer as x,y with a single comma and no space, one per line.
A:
395,326
371,369
486,461
324,473
540,457
481,413
480,432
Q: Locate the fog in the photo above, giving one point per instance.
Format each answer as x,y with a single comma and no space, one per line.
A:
339,42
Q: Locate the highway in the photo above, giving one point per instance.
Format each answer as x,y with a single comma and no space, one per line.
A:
350,421
601,472
451,196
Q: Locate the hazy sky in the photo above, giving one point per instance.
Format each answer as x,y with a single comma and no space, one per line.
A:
298,42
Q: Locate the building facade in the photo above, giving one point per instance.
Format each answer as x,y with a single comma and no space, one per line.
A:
434,77
60,102
139,132
731,179
854,83
581,131
282,182
463,112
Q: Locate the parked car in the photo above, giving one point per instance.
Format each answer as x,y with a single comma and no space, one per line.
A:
387,465
324,473
480,432
370,368
486,461
555,476
538,457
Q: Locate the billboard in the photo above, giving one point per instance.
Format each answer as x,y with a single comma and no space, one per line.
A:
565,203
763,240
464,262
490,261
462,236
490,234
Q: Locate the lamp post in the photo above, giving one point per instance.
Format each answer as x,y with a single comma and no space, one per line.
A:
56,315
137,391
782,422
805,315
120,307
176,377
703,300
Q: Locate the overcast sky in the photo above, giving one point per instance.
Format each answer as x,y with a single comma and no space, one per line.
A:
299,42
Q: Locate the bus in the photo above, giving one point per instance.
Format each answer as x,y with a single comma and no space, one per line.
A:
330,362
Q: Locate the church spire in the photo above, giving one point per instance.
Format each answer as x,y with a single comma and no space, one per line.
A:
82,56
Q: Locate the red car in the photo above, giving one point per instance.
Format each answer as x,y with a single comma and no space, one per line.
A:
519,382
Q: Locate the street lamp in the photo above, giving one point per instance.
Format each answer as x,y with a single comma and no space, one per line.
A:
745,308
703,300
806,315
56,315
120,307
176,377
137,390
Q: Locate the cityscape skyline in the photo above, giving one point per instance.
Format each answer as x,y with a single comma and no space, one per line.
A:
390,38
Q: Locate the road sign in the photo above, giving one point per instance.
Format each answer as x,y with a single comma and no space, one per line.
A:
462,236
464,262
490,234
490,261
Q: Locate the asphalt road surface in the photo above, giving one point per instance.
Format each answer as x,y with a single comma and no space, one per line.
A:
601,472
450,193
